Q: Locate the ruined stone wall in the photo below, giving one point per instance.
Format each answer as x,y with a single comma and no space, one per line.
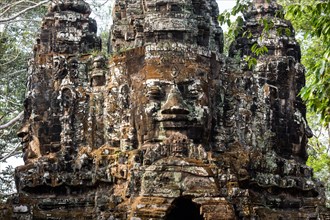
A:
167,127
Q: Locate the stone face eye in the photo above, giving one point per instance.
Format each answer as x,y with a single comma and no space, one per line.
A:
194,90
182,88
155,92
193,93
189,90
175,8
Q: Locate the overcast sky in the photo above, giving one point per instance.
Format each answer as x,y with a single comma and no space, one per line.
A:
103,15
225,4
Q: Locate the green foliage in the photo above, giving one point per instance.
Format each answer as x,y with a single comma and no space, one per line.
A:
318,152
12,79
101,12
7,183
267,25
251,61
257,51
234,27
16,42
312,20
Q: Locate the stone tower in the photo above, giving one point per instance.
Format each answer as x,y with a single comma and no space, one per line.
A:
168,127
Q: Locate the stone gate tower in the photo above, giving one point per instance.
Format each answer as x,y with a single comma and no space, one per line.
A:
167,127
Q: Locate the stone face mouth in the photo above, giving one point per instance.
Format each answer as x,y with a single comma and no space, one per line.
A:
173,118
177,121
175,124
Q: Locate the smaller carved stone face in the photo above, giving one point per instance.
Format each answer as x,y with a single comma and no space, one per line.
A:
31,146
172,102
98,73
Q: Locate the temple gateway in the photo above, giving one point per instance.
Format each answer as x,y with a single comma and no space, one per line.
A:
167,126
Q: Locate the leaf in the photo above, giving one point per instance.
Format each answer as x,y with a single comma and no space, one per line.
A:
228,22
322,67
254,47
288,32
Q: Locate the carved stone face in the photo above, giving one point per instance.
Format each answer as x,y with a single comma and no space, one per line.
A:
168,101
31,145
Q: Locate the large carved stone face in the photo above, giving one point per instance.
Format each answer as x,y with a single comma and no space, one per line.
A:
171,100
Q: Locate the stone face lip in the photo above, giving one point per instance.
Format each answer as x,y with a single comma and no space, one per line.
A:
167,127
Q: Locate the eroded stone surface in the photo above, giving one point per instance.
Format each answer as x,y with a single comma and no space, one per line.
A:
168,127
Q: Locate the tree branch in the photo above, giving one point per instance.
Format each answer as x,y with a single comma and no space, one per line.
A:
328,147
11,153
10,59
8,7
16,72
23,20
4,20
12,121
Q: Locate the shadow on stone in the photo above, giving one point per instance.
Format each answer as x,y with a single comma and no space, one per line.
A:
183,208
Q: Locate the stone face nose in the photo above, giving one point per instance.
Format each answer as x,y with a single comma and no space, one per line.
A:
174,103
